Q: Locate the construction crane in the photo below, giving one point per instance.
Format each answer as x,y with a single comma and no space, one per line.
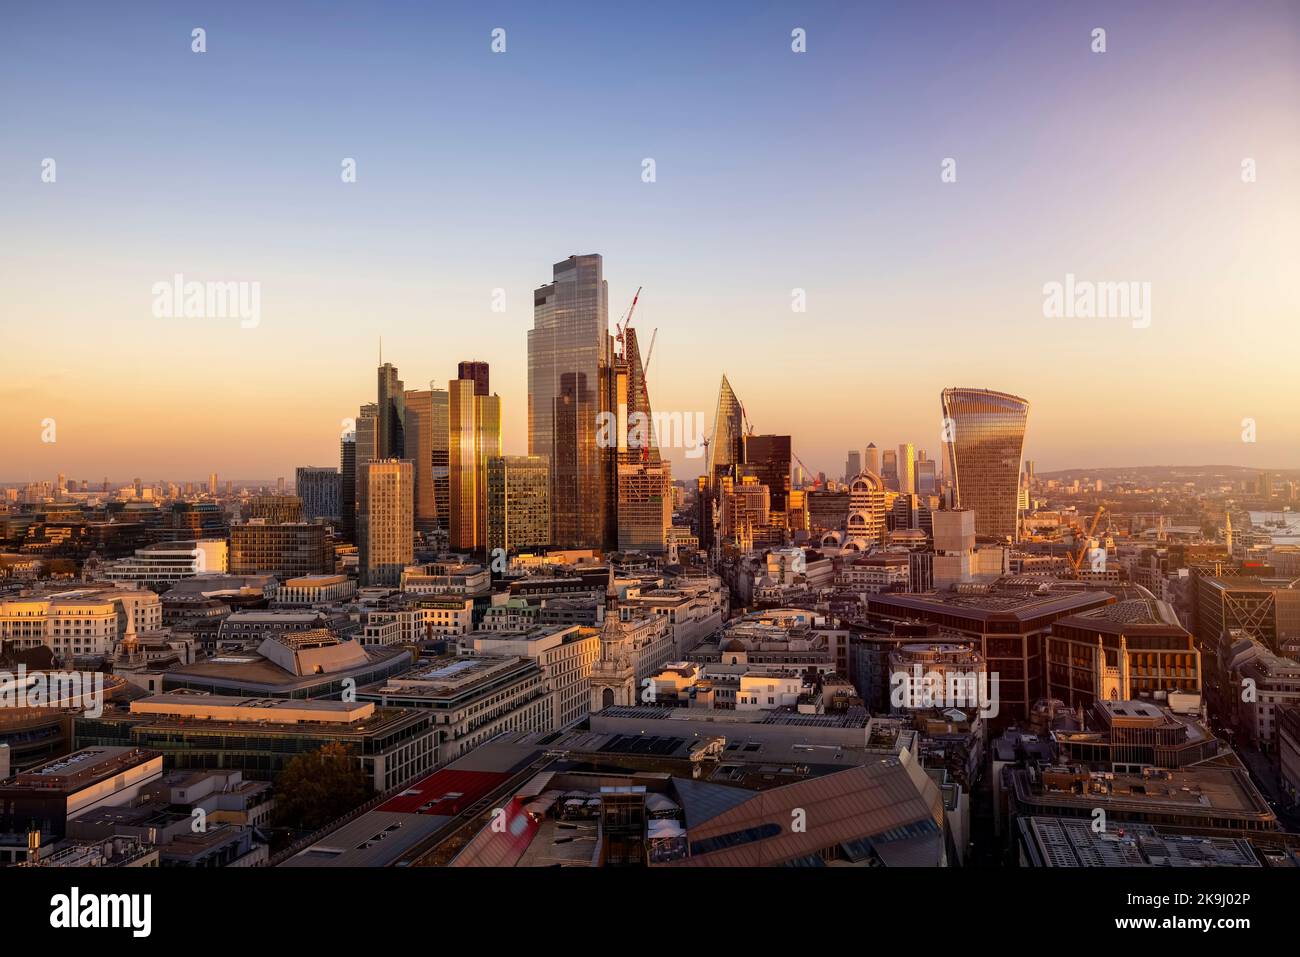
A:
1076,561
807,471
623,324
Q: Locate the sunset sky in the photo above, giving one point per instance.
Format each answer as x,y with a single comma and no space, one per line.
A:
775,171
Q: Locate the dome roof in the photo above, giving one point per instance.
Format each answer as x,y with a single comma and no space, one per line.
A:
735,644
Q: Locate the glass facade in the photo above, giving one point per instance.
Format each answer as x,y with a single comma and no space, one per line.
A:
570,361
986,438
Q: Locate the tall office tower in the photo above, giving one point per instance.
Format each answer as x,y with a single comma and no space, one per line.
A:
474,437
768,457
987,432
570,362
385,521
907,468
477,372
927,478
634,419
212,484
418,442
728,428
872,462
319,490
866,521
518,503
889,469
367,449
1029,472
852,465
348,486
390,438
441,461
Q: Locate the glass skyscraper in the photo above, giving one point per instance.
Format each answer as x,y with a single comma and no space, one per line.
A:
985,438
570,382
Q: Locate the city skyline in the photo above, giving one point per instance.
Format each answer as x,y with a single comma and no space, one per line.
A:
908,279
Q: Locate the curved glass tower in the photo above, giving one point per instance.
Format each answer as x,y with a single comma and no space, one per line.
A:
985,437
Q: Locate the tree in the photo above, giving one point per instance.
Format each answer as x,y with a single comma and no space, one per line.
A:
315,788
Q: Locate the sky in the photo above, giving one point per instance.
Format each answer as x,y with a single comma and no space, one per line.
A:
775,171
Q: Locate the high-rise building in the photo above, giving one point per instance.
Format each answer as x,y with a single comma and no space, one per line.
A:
474,437
570,364
768,458
728,427
319,489
348,485
212,484
518,502
889,469
986,432
852,465
477,372
906,468
366,451
385,521
390,435
418,441
872,462
441,408
927,479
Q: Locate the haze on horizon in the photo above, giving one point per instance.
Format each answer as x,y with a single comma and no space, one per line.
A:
775,171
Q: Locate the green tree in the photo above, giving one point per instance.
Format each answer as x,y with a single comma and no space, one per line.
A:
315,788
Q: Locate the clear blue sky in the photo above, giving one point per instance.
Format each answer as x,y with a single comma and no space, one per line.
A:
775,170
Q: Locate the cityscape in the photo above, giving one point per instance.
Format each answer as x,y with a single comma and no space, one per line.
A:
526,584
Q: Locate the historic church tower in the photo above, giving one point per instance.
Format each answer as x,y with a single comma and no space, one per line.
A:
613,676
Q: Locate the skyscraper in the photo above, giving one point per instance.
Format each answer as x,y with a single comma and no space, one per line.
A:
986,432
866,520
768,458
518,502
906,468
391,401
852,465
385,521
570,362
364,453
725,450
872,462
419,441
477,372
474,438
348,485
889,469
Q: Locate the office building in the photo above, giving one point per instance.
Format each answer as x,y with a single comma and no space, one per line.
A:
283,549
385,521
986,437
320,490
852,465
906,467
570,370
725,450
518,489
475,438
